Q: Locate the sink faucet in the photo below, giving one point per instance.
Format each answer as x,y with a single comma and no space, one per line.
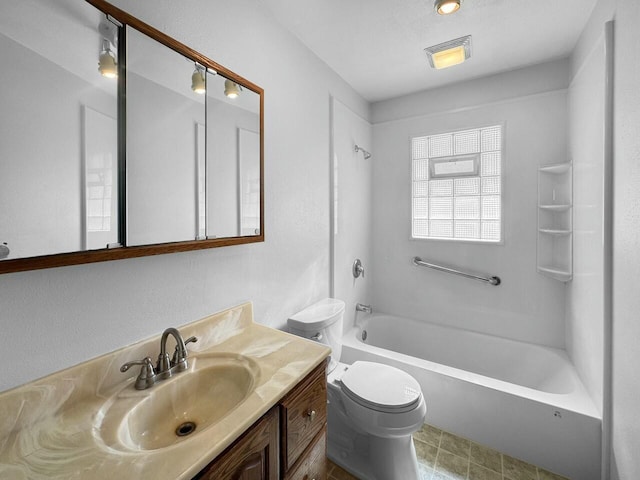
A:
178,363
165,367
360,307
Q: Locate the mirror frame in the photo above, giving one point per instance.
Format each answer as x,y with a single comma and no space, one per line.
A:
119,253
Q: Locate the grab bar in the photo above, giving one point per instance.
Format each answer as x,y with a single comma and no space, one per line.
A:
491,280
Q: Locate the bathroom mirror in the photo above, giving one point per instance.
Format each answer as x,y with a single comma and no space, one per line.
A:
147,162
163,113
57,112
232,152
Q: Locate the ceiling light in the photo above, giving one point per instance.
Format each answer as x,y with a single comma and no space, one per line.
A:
198,84
231,89
449,53
445,7
107,64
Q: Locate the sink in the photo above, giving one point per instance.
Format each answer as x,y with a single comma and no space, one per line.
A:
179,408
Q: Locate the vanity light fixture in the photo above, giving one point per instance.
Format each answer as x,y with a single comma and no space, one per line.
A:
445,7
449,53
107,64
198,84
232,89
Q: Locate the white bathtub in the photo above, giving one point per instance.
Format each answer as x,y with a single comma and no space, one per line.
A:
519,398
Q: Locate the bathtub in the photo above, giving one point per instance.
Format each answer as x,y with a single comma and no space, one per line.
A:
522,399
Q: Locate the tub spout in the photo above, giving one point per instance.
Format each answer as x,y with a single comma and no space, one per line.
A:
360,307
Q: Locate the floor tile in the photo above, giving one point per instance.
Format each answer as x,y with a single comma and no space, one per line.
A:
454,444
426,453
440,476
339,473
486,457
514,469
477,472
545,475
452,465
444,456
425,472
429,434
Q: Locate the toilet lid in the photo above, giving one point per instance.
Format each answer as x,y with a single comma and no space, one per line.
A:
381,387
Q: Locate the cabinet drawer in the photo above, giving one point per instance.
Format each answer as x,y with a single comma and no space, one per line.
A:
303,415
313,464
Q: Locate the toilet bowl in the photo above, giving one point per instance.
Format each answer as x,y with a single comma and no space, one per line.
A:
373,408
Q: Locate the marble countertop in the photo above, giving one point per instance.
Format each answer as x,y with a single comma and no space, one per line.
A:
52,428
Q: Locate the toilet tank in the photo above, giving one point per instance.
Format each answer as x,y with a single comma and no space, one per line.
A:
321,322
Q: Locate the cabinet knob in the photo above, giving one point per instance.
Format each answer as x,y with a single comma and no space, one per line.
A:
311,414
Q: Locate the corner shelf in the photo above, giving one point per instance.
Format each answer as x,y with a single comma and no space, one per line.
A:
555,230
551,231
555,208
556,168
561,275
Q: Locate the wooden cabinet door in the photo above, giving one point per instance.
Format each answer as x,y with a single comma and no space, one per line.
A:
303,414
254,456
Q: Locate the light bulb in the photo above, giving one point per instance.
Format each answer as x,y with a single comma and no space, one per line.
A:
107,65
231,89
198,84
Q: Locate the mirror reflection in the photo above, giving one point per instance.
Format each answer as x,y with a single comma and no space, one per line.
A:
58,140
163,119
105,146
233,159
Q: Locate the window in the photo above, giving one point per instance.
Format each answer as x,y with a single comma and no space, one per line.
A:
456,185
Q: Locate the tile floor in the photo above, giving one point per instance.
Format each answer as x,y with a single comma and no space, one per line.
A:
444,456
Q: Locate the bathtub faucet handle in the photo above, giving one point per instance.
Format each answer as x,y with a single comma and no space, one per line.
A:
357,268
363,308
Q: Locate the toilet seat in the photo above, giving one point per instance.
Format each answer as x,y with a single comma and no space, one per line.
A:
381,387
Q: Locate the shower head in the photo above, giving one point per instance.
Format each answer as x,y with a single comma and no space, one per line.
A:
365,154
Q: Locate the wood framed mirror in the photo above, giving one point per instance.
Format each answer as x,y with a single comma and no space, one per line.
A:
119,141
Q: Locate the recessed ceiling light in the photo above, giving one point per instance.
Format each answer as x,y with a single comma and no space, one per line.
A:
445,7
449,53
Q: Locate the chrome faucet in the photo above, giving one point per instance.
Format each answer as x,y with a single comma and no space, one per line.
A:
165,367
360,307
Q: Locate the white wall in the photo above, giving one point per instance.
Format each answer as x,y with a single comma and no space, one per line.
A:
626,258
540,78
526,306
585,307
352,208
55,318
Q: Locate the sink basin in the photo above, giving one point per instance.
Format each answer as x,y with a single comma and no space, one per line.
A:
177,409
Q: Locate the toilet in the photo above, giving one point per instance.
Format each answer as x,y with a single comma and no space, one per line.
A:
373,409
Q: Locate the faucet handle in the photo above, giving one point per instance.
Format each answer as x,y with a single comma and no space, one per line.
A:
147,376
180,355
357,269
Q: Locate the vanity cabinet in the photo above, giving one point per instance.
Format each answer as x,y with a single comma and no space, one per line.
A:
288,442
303,415
254,456
313,464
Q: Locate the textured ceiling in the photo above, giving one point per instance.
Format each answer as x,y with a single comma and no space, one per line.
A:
377,46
